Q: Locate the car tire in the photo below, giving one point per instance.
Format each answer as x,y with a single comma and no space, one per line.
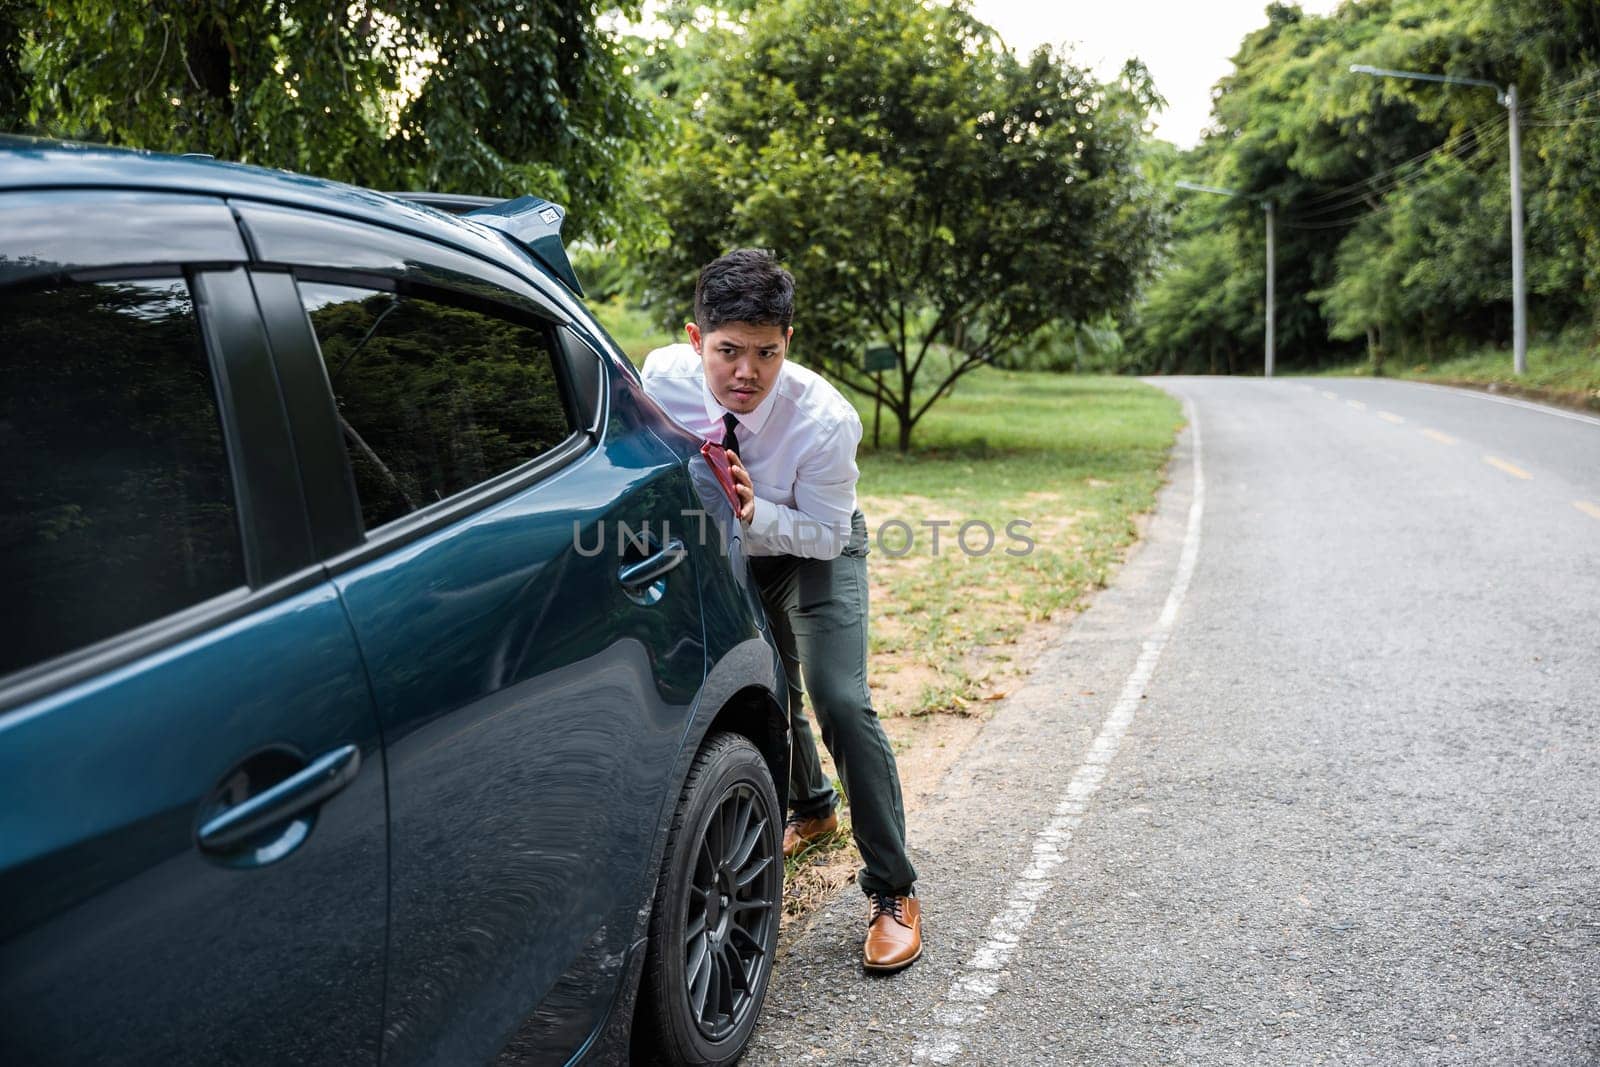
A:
714,927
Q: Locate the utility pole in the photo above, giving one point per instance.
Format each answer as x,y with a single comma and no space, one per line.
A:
1272,272
1519,284
1272,257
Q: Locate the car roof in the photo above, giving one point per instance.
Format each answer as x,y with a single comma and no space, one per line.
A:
28,163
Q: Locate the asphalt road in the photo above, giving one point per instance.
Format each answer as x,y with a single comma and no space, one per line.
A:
1316,780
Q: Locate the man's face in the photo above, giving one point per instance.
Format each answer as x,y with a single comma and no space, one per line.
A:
742,361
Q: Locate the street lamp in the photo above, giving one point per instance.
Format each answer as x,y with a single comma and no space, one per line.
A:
1272,269
1519,286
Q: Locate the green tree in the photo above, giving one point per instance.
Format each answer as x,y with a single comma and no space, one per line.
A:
930,190
1391,194
1558,43
497,97
13,82
1282,132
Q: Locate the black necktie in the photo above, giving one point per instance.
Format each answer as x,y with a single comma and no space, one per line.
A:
730,440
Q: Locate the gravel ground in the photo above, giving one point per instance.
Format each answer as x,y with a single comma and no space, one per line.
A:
1353,818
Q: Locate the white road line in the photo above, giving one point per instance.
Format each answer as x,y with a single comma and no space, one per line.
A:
1356,404
1576,416
978,979
1389,416
1330,396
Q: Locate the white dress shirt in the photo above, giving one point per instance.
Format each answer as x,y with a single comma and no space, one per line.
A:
799,446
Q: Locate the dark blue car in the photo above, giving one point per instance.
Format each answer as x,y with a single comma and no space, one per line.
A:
381,678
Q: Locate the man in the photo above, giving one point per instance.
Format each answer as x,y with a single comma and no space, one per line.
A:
792,442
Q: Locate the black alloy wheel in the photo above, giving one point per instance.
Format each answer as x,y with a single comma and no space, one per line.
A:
733,900
715,924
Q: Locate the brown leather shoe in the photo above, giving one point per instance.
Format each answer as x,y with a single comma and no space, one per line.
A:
894,932
799,832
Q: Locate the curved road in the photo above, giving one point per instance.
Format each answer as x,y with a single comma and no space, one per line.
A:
1317,780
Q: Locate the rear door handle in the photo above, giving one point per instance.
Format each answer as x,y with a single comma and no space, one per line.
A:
640,574
319,780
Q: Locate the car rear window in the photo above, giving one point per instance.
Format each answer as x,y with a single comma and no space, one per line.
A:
433,397
117,505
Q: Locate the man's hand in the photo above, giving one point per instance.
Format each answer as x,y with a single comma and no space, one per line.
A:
746,489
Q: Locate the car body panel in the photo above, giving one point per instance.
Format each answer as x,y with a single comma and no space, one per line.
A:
516,681
519,686
119,938
121,941
537,723
312,241
30,164
51,232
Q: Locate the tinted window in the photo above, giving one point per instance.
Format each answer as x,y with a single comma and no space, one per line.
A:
117,506
433,398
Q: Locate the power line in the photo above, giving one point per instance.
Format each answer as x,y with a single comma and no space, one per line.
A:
1383,182
1564,106
1311,222
1364,184
1389,202
1379,184
1473,140
1548,101
1569,122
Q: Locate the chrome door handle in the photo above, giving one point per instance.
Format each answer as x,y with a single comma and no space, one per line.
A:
318,781
640,574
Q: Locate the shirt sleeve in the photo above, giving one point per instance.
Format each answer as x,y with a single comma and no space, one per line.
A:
818,526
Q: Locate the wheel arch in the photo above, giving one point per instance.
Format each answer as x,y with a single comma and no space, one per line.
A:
755,715
744,693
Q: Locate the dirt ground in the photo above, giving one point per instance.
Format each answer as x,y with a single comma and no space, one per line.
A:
925,744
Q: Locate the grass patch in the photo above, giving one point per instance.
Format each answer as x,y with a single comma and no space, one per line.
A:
1057,466
1079,459
1565,370
1065,463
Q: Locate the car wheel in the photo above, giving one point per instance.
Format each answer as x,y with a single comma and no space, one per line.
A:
715,925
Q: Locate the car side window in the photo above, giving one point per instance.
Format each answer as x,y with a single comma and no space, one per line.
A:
433,397
116,503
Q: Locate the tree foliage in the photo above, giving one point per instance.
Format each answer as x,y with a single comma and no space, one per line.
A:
1391,195
496,97
930,189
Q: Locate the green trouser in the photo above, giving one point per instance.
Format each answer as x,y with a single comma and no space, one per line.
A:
818,611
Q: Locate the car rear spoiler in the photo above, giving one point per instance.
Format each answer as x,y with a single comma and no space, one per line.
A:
530,221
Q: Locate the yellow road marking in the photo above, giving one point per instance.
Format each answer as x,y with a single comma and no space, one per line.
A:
1591,510
1356,404
1514,471
1442,438
1330,396
1389,416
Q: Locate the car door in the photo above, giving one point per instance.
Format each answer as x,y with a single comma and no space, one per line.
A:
531,631
192,816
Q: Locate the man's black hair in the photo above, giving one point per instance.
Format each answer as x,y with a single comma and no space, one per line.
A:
746,285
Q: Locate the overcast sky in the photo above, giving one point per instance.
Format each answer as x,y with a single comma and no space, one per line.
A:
1185,43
